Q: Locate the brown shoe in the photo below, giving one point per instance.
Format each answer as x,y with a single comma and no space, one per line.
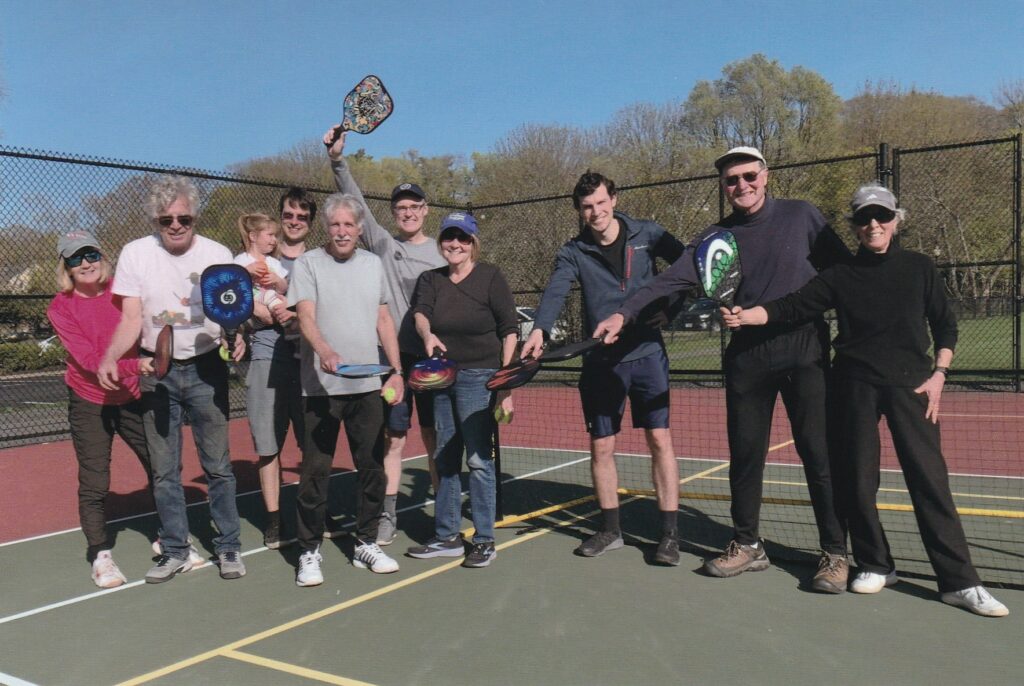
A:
738,558
832,573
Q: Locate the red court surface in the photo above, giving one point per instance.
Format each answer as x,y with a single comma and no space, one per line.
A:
983,434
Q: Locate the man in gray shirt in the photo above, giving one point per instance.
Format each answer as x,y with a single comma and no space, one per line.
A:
341,299
405,256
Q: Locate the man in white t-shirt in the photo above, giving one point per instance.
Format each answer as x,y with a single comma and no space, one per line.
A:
340,295
158,278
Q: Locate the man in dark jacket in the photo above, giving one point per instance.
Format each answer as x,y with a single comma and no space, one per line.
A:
611,257
782,243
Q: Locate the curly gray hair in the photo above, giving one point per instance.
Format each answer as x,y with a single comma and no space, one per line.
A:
166,190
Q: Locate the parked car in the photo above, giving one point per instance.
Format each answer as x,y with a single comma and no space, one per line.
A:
46,343
700,315
526,315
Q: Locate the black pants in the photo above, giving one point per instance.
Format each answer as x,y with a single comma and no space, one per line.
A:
92,434
363,416
916,440
758,367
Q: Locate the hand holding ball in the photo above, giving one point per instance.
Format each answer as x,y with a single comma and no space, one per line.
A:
501,416
224,354
389,395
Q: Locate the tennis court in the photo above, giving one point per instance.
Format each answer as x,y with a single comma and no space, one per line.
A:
539,614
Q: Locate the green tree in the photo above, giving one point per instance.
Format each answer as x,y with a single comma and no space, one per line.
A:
757,102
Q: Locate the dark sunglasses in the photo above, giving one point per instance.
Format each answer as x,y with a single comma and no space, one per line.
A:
749,177
167,220
289,216
93,256
880,214
456,235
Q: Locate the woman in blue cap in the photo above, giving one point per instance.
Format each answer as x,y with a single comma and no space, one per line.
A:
465,310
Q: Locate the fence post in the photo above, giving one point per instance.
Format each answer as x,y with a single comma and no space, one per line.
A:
1017,180
882,170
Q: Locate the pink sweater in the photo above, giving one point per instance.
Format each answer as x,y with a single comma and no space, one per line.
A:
85,327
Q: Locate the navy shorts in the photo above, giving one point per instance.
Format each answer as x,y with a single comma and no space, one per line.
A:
398,418
604,388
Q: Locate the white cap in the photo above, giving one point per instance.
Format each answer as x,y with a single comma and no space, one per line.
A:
735,153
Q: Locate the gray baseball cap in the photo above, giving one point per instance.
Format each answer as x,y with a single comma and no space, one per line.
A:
872,195
73,241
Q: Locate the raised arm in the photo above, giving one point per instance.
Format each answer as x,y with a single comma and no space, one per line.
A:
375,237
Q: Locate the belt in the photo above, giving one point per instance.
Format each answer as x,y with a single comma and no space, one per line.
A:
188,361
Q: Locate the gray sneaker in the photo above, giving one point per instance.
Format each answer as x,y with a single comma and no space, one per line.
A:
387,529
165,569
600,543
231,565
668,550
438,547
977,600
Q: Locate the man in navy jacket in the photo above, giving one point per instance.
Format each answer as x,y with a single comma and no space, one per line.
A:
782,244
612,256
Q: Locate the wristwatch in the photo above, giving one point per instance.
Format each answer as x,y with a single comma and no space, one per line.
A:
941,370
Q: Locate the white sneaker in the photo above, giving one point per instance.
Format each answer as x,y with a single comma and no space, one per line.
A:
869,582
977,600
194,557
370,556
105,572
309,573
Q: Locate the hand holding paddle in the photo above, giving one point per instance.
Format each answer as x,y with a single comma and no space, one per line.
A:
736,317
228,302
164,352
717,259
434,373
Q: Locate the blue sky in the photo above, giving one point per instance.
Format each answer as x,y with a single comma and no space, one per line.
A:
207,84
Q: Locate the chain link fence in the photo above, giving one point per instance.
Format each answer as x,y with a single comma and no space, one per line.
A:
963,205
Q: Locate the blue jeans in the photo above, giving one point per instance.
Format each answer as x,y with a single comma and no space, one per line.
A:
201,390
464,423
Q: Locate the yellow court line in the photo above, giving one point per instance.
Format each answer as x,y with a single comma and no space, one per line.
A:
293,669
904,491
326,612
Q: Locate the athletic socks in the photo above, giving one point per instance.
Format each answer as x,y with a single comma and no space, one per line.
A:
610,517
274,518
669,522
390,501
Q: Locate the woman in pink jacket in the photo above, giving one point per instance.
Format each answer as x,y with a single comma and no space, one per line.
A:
84,314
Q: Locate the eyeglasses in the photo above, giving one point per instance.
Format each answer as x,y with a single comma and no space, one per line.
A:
167,220
749,177
290,216
415,207
880,214
456,235
93,256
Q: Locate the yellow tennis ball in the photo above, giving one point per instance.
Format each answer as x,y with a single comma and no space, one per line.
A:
224,354
501,416
389,395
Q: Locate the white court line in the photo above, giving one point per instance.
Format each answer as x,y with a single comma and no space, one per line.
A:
151,514
9,680
88,596
134,584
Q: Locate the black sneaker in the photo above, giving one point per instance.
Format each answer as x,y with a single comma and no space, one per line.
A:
600,543
481,555
668,550
438,547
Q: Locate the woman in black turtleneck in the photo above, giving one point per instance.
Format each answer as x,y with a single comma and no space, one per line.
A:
886,299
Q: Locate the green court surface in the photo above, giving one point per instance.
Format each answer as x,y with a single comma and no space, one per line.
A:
538,615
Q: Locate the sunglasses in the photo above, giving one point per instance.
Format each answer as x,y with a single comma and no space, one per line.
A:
456,235
880,214
749,177
289,216
93,256
167,220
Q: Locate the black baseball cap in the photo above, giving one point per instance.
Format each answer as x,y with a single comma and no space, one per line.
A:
407,189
